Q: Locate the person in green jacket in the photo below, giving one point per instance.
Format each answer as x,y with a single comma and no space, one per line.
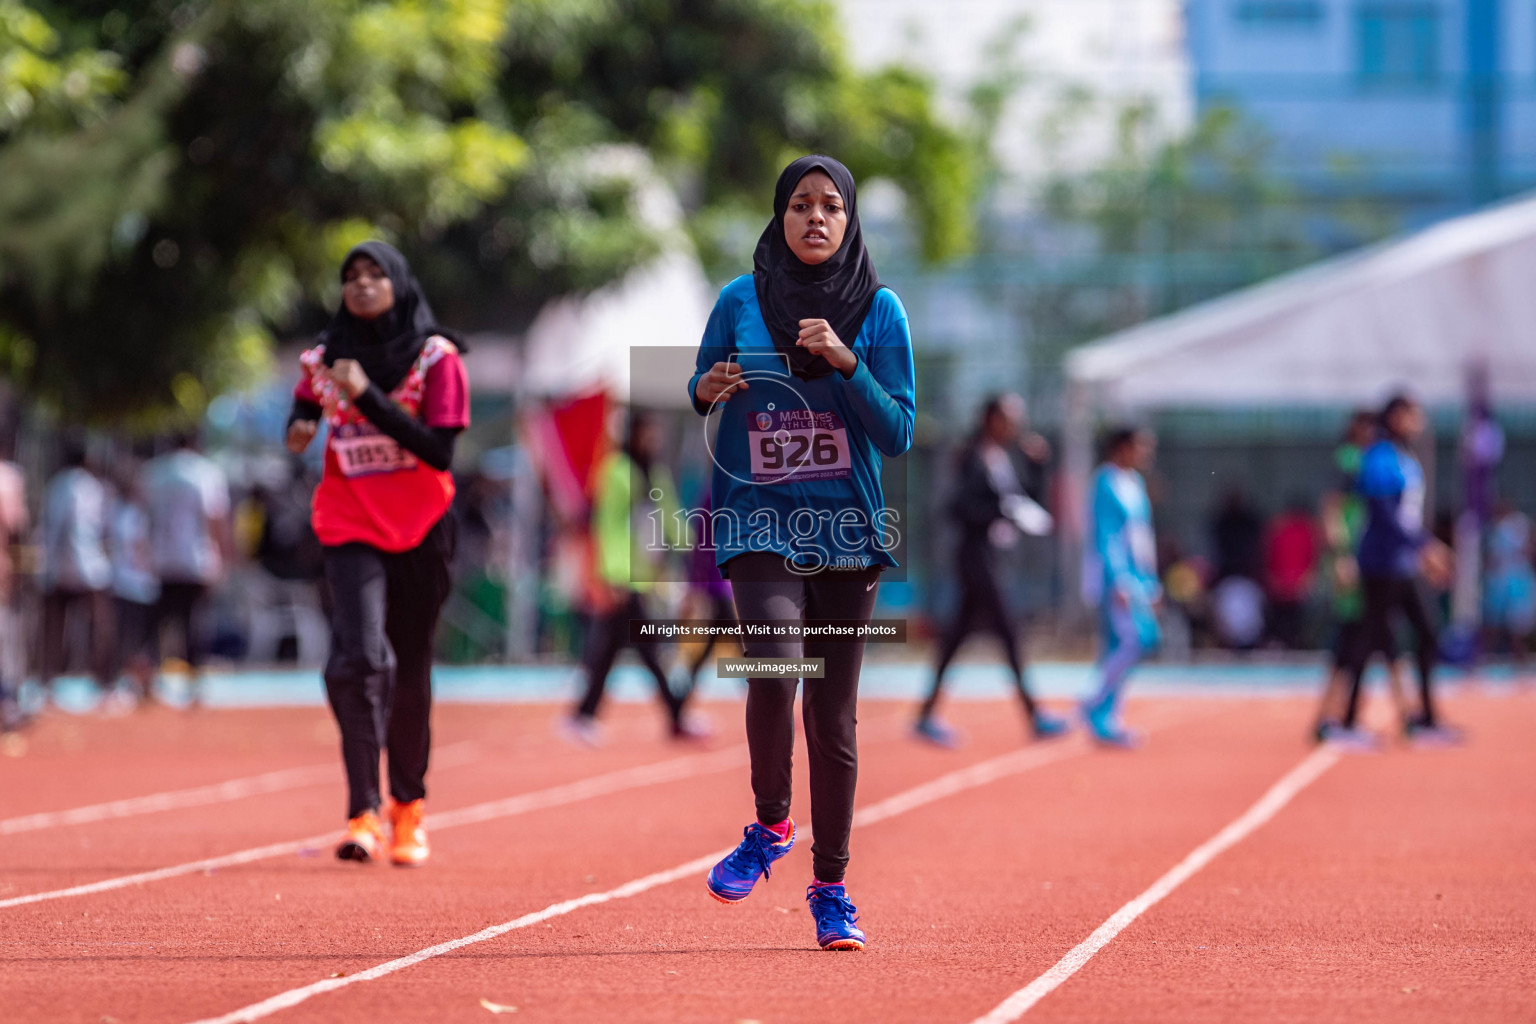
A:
633,498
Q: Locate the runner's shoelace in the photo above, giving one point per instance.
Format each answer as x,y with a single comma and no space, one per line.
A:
827,904
753,851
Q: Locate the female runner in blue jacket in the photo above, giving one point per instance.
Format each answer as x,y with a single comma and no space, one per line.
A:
809,362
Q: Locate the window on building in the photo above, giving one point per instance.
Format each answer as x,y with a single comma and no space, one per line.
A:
1399,44
1280,13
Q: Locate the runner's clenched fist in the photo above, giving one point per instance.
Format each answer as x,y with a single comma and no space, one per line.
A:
719,383
818,338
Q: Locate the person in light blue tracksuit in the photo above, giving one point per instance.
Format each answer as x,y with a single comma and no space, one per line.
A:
1120,576
808,363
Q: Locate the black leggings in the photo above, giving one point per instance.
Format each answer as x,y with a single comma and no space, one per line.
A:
1385,595
59,606
982,608
766,588
607,636
383,608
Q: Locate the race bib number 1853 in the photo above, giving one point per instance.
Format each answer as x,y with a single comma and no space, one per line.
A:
795,444
363,452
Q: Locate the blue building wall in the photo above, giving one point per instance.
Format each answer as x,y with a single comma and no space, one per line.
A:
1429,102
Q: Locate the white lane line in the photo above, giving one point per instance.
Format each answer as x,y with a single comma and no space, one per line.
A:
555,796
1270,804
978,774
202,796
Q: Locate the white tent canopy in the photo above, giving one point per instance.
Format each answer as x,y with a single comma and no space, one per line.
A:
634,339
1419,312
1424,313
581,344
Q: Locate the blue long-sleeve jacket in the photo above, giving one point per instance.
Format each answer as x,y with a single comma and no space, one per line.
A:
1392,484
797,462
1122,555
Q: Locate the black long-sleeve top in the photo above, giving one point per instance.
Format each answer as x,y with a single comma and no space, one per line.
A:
432,445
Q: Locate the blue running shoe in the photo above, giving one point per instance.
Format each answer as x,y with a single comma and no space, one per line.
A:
1105,726
1420,733
836,917
937,733
731,880
1353,740
1047,726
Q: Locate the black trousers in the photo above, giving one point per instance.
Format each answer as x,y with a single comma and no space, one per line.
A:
1385,597
59,606
180,603
982,609
383,608
607,636
766,588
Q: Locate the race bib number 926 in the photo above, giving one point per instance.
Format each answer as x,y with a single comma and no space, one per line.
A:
795,444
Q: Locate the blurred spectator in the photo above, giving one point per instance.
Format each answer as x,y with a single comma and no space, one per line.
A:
1343,520
475,617
624,572
1511,588
187,497
1237,533
1395,552
135,589
286,545
76,570
1237,612
13,526
1186,611
1120,575
996,502
284,603
1290,561
708,590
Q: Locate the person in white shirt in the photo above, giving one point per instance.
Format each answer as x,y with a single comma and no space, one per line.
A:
76,571
187,497
135,589
13,527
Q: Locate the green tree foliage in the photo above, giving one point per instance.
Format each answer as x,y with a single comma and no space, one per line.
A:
179,178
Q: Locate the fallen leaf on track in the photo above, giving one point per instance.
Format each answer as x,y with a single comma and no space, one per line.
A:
338,974
497,1007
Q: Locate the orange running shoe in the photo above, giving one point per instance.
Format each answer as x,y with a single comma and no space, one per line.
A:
410,849
365,838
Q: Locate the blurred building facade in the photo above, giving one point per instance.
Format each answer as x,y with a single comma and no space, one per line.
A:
1429,102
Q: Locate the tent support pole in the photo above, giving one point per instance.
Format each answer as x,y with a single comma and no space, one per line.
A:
1077,463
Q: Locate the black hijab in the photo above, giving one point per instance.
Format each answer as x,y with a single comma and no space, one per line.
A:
838,291
388,345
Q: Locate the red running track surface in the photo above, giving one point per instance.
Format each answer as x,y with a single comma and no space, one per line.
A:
1396,887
